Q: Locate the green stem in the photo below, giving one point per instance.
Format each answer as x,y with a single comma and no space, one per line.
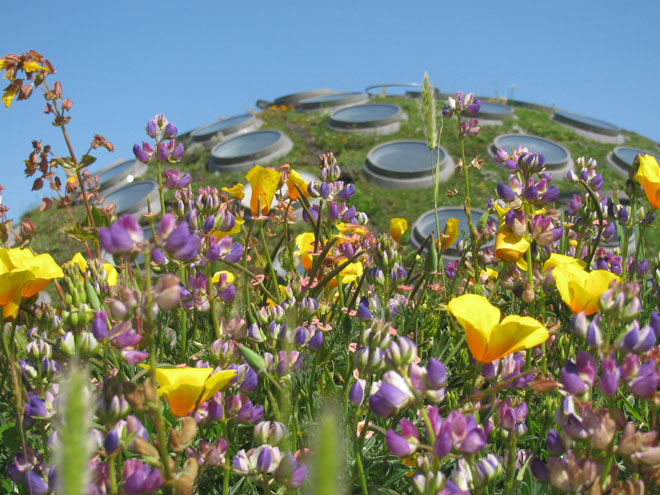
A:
156,407
511,464
160,190
182,319
212,308
269,264
112,473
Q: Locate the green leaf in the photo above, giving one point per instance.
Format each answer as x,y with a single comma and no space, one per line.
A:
87,160
100,219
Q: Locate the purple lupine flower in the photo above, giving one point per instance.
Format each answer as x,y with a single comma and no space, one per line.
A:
501,155
152,127
578,378
141,153
170,131
290,473
474,107
505,192
398,444
389,398
133,356
467,437
636,340
551,194
511,418
356,392
316,341
554,443
177,153
111,442
436,374
100,325
122,237
35,484
654,323
122,335
162,152
645,382
181,243
138,478
249,414
609,380
531,192
540,470
36,408
174,179
363,312
346,193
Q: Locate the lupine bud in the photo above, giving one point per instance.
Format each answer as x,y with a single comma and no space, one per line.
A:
505,192
267,432
141,154
316,341
398,444
554,443
177,153
170,131
67,344
636,340
100,325
356,393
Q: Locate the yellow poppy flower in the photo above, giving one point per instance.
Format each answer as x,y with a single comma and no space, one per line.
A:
294,179
109,269
216,277
490,273
219,234
508,247
554,261
579,289
349,274
264,182
648,175
236,191
351,228
185,389
305,245
449,234
398,227
22,274
489,339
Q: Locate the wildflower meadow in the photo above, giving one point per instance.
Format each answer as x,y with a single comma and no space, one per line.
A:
294,347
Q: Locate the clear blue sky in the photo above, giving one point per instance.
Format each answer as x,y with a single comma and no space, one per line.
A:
122,62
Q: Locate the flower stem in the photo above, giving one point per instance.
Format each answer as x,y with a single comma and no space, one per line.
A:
511,463
160,191
156,407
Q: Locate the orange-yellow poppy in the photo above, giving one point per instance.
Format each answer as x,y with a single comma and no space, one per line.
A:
579,289
185,389
398,227
22,274
509,247
264,183
489,339
648,175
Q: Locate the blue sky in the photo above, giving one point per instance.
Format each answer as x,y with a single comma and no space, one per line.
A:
122,62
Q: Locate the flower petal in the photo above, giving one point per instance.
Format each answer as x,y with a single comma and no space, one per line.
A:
477,316
514,334
215,383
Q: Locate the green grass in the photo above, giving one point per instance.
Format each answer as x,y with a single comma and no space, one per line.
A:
311,136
